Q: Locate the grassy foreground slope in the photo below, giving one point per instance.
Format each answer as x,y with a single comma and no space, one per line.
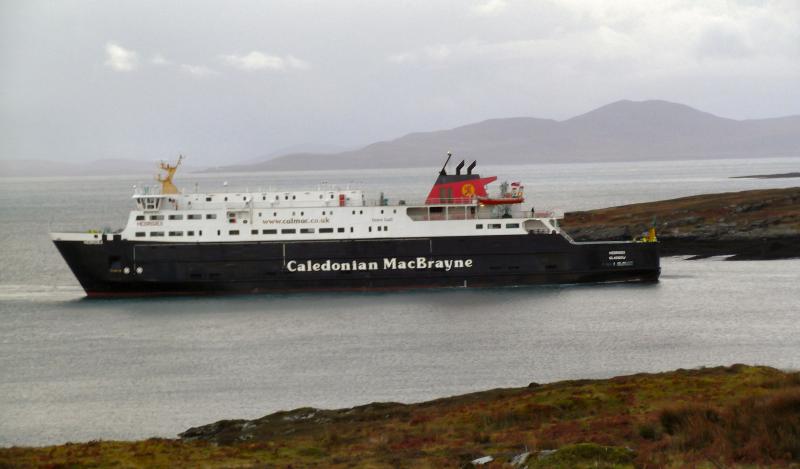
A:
738,416
757,224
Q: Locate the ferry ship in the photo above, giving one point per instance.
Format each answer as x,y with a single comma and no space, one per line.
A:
282,241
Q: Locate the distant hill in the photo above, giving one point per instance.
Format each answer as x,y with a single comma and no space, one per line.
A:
621,131
311,148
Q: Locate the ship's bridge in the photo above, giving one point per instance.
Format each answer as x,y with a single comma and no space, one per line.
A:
151,202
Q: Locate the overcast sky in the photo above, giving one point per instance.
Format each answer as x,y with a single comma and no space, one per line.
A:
231,81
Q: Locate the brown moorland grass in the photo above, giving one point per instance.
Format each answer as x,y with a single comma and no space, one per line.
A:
738,416
683,216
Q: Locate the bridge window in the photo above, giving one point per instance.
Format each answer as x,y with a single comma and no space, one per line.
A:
140,234
139,217
233,232
288,231
211,216
495,226
512,225
156,234
195,216
269,231
307,230
176,217
156,217
326,230
176,233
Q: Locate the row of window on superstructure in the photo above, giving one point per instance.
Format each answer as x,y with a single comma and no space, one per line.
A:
496,226
191,216
159,234
384,228
209,198
212,216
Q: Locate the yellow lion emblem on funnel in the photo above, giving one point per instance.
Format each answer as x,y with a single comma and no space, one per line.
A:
467,190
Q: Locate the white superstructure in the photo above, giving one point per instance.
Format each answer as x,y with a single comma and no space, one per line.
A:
314,215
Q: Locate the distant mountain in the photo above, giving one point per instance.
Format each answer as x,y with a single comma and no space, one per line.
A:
26,168
310,148
304,148
621,131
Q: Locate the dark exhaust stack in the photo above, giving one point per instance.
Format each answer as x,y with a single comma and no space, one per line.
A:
471,166
458,168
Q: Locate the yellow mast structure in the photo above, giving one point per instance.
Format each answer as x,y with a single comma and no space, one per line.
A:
167,187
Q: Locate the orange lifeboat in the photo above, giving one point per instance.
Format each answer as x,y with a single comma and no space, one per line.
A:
501,200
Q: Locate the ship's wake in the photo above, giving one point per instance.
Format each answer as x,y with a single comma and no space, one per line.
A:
14,292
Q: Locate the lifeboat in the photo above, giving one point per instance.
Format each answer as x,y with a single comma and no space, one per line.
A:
500,200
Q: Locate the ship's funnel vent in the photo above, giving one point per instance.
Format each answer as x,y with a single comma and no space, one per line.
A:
458,168
471,166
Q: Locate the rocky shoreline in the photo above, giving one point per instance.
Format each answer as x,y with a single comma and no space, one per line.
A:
748,225
737,416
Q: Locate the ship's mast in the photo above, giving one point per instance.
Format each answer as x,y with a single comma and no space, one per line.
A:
167,187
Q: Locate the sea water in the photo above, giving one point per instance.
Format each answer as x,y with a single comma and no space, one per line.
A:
73,369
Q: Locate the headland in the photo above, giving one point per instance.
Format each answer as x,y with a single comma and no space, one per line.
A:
748,225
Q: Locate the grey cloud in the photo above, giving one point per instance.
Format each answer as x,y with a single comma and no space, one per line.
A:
723,42
226,84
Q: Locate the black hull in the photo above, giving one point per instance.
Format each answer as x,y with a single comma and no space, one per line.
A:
111,268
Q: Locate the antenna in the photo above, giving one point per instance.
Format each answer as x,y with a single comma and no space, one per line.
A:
443,172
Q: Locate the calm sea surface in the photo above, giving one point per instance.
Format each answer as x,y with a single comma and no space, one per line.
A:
73,369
